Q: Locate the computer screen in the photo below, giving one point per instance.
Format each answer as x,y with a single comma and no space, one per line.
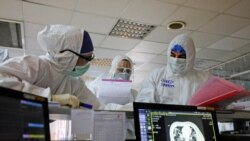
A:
23,117
161,122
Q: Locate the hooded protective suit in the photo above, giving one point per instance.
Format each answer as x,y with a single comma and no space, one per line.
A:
48,71
178,81
130,132
94,86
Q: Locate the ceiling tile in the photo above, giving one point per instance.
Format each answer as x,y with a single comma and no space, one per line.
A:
211,54
198,49
159,59
140,57
97,39
229,44
243,50
150,47
193,18
214,5
107,53
31,29
67,4
150,67
165,53
174,1
111,8
45,15
202,40
95,71
243,33
228,56
119,43
241,9
204,64
11,9
93,23
224,24
161,34
148,11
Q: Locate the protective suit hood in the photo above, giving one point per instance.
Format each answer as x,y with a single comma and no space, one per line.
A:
54,38
187,44
115,63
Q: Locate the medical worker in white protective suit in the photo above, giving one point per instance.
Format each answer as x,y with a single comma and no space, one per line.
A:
122,69
178,81
69,52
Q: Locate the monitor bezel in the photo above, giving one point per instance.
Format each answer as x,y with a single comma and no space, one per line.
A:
184,108
25,96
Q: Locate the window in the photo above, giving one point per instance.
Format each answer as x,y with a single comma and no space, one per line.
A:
11,34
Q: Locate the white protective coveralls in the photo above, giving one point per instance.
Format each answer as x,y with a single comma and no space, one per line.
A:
94,86
169,87
34,73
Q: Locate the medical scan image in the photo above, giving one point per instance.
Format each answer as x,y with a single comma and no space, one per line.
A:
185,131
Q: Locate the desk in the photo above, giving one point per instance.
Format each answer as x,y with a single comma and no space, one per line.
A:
63,113
239,118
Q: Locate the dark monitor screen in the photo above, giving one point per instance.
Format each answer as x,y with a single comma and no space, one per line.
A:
161,122
23,117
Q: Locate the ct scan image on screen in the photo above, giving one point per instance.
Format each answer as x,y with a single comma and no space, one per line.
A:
178,126
185,131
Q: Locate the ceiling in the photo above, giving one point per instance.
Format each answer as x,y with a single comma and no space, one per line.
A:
220,28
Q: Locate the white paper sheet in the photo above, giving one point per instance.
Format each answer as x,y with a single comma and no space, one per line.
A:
114,91
109,126
82,121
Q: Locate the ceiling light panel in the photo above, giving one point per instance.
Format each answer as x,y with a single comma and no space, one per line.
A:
130,29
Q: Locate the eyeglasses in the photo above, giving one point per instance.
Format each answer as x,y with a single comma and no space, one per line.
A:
121,69
81,56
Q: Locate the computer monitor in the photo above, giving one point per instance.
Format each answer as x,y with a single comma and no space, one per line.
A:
162,122
23,116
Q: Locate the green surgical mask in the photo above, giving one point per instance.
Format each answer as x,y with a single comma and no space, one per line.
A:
79,70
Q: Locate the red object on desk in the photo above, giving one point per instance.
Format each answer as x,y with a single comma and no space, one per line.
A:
217,92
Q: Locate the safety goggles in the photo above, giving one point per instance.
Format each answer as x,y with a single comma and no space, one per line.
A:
90,58
121,69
